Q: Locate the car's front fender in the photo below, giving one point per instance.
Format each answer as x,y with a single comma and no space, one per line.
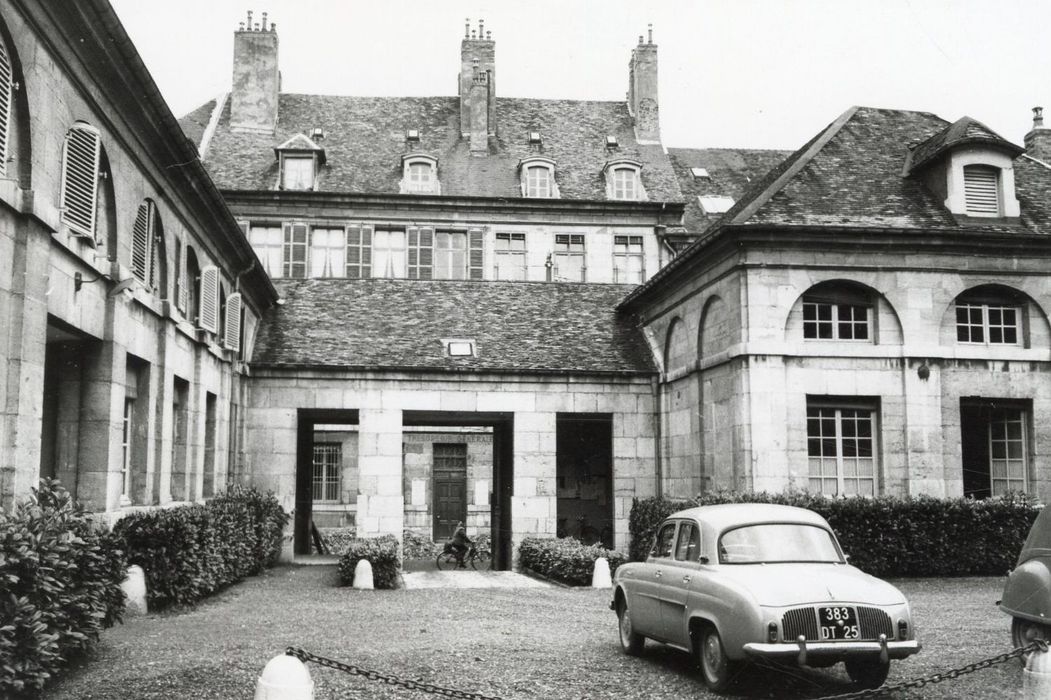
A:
1027,593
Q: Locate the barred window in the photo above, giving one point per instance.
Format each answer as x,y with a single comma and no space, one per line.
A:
328,458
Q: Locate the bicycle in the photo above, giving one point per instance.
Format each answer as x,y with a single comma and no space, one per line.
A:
479,559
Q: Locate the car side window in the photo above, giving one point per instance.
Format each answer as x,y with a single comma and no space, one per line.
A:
688,547
665,539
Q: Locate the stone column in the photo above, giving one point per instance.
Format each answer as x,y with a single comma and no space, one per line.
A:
534,504
381,502
101,425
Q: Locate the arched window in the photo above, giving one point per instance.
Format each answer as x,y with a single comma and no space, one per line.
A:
838,311
624,180
191,286
80,175
147,248
538,178
420,174
990,315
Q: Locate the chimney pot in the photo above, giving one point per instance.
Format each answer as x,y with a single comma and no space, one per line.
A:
472,34
273,26
488,35
249,22
481,28
240,26
650,30
467,28
264,21
1038,117
640,39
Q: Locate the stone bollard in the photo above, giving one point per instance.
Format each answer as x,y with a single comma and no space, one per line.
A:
363,575
600,577
134,587
1036,678
284,678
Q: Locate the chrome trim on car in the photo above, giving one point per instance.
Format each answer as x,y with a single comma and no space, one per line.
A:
894,650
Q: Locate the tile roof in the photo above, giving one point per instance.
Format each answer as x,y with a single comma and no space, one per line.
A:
521,327
731,171
963,131
365,139
195,123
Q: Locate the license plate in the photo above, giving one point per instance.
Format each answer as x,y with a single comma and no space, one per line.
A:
839,622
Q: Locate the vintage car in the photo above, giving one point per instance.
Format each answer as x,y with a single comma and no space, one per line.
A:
1027,593
730,583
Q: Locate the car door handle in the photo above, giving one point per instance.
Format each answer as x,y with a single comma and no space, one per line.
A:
685,579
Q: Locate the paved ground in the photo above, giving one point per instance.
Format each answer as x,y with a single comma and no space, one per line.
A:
469,579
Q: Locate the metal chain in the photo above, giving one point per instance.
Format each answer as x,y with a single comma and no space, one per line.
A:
1036,645
306,656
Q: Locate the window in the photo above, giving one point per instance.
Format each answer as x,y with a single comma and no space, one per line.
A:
981,190
294,257
268,241
715,204
328,251
359,252
297,172
700,174
192,286
234,319
388,252
143,244
568,258
538,181
841,447
510,256
80,173
1007,452
208,314
328,458
459,348
625,183
994,445
826,320
688,547
627,259
420,175
662,545
988,317
450,255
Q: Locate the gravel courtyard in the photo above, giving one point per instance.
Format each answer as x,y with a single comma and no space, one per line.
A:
514,643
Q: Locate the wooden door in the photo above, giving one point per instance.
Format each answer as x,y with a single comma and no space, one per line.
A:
450,488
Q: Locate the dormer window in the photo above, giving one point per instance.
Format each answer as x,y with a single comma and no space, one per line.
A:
700,174
981,190
299,162
611,141
624,181
420,174
538,178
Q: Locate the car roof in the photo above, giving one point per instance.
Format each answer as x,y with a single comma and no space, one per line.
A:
727,515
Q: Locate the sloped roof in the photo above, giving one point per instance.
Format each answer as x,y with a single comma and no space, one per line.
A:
730,173
195,123
365,139
522,327
963,131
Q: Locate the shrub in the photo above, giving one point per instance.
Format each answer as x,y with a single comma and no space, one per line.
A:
60,578
418,546
190,552
566,559
889,535
382,553
337,539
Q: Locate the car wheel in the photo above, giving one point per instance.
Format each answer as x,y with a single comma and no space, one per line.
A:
716,667
1025,632
630,641
868,673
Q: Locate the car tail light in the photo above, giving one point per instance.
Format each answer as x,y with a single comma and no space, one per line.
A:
903,629
771,632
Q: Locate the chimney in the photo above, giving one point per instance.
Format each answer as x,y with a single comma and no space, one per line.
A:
1038,141
256,79
477,69
642,90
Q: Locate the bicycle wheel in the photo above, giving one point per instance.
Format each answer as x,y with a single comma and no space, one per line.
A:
446,561
482,561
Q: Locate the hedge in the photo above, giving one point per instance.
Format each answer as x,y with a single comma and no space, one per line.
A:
190,552
889,535
566,559
382,553
60,578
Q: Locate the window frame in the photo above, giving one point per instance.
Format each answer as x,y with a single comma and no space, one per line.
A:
985,307
570,253
628,255
332,256
267,251
973,198
331,476
531,189
410,164
655,550
299,158
510,255
863,410
378,252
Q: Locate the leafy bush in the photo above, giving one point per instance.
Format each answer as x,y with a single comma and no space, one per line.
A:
337,539
566,559
888,535
382,553
189,552
415,545
60,578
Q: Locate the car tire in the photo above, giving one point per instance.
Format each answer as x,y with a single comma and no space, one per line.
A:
867,673
716,667
631,642
1024,632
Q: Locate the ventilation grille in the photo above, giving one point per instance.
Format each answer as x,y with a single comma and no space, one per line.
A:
981,187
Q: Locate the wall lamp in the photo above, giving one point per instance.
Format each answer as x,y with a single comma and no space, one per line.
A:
923,371
123,285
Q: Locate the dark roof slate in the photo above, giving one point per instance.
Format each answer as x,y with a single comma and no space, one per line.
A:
195,123
521,327
731,172
963,131
365,139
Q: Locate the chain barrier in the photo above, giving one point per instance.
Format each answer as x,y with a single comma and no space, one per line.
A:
1036,645
306,656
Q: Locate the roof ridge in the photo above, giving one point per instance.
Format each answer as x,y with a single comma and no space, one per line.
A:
757,201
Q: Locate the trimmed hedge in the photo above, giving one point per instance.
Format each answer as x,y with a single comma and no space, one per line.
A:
567,560
382,553
889,535
190,552
60,578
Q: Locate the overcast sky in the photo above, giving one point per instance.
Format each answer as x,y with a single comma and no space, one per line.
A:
736,73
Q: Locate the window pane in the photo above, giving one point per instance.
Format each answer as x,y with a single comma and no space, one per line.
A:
297,173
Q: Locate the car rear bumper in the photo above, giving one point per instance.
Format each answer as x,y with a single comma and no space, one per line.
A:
802,651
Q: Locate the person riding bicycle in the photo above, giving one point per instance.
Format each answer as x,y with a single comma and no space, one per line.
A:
460,544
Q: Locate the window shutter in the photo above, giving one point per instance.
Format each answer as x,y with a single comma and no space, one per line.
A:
476,253
981,189
180,287
359,252
209,315
413,235
295,257
232,336
141,240
80,167
366,251
421,253
6,83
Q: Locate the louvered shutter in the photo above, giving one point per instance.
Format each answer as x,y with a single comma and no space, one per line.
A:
413,234
80,167
476,254
6,83
981,189
359,252
421,253
141,240
366,251
209,314
295,255
232,336
180,285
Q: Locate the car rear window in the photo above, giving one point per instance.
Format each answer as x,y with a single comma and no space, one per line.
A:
772,543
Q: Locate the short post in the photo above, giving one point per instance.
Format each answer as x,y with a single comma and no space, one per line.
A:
363,575
600,577
1036,678
134,587
284,678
